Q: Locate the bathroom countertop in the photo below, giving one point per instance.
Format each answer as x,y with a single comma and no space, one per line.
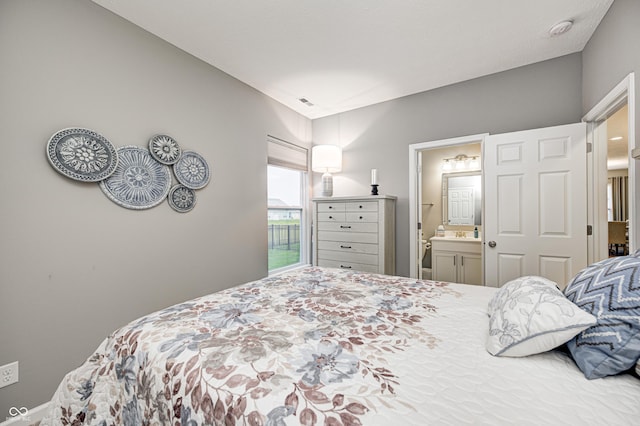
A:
454,238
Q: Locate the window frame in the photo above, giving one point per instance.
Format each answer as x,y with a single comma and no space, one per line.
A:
305,213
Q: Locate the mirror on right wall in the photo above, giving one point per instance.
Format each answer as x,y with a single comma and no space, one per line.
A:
462,198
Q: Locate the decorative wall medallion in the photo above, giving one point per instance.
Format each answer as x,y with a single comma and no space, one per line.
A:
181,198
164,149
192,170
82,154
139,182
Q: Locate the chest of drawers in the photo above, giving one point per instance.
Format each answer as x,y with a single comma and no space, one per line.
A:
355,233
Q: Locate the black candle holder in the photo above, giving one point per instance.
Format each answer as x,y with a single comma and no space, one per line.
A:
374,189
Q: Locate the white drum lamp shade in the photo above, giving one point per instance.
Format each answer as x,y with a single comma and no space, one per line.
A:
326,159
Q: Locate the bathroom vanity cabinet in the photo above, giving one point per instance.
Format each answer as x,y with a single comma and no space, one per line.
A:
355,233
457,260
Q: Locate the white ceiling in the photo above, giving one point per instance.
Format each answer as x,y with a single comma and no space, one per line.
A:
346,54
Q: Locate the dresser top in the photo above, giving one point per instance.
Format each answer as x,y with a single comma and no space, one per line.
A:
358,198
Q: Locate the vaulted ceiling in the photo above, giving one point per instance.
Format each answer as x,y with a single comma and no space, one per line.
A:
345,54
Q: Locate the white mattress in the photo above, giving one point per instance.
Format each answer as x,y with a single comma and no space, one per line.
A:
461,383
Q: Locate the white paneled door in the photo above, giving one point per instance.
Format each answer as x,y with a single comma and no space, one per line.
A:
460,206
535,204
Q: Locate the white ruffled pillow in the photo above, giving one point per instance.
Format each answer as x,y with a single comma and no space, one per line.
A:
530,315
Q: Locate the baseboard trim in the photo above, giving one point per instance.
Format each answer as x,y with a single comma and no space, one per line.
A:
33,416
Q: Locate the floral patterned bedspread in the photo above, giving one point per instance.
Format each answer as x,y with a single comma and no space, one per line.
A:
316,346
330,347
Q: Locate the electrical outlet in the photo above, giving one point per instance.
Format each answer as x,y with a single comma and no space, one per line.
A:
9,374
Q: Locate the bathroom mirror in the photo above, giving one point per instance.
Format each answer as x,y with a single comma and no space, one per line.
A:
462,198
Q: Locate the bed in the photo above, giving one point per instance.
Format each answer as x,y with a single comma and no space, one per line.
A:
332,347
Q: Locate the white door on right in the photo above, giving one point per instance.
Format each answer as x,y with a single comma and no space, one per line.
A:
535,202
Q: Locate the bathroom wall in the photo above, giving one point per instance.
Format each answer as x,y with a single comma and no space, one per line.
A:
432,184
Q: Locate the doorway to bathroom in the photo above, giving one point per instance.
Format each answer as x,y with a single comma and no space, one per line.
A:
595,227
447,186
534,204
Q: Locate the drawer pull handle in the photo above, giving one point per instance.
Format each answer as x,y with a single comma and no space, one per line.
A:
345,267
360,217
330,207
345,246
345,227
360,206
330,217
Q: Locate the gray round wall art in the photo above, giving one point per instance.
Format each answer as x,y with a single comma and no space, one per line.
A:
82,154
139,181
181,198
192,170
164,149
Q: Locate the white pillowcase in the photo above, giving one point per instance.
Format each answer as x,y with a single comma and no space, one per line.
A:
530,315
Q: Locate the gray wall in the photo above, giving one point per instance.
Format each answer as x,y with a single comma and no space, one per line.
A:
539,95
611,54
75,266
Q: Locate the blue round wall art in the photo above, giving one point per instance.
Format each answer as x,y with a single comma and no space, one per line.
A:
192,170
181,198
139,181
165,149
82,154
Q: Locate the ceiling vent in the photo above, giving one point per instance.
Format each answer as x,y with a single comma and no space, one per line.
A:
305,101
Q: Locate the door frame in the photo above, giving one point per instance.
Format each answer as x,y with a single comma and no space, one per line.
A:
623,92
415,185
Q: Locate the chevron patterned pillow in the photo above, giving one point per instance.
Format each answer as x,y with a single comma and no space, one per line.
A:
610,290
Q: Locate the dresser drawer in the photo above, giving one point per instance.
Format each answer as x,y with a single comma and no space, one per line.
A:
348,227
348,265
332,217
363,206
349,237
348,247
362,217
331,207
367,259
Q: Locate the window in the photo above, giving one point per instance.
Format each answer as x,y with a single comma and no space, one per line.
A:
286,212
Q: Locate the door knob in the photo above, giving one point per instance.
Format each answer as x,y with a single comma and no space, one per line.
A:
492,244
